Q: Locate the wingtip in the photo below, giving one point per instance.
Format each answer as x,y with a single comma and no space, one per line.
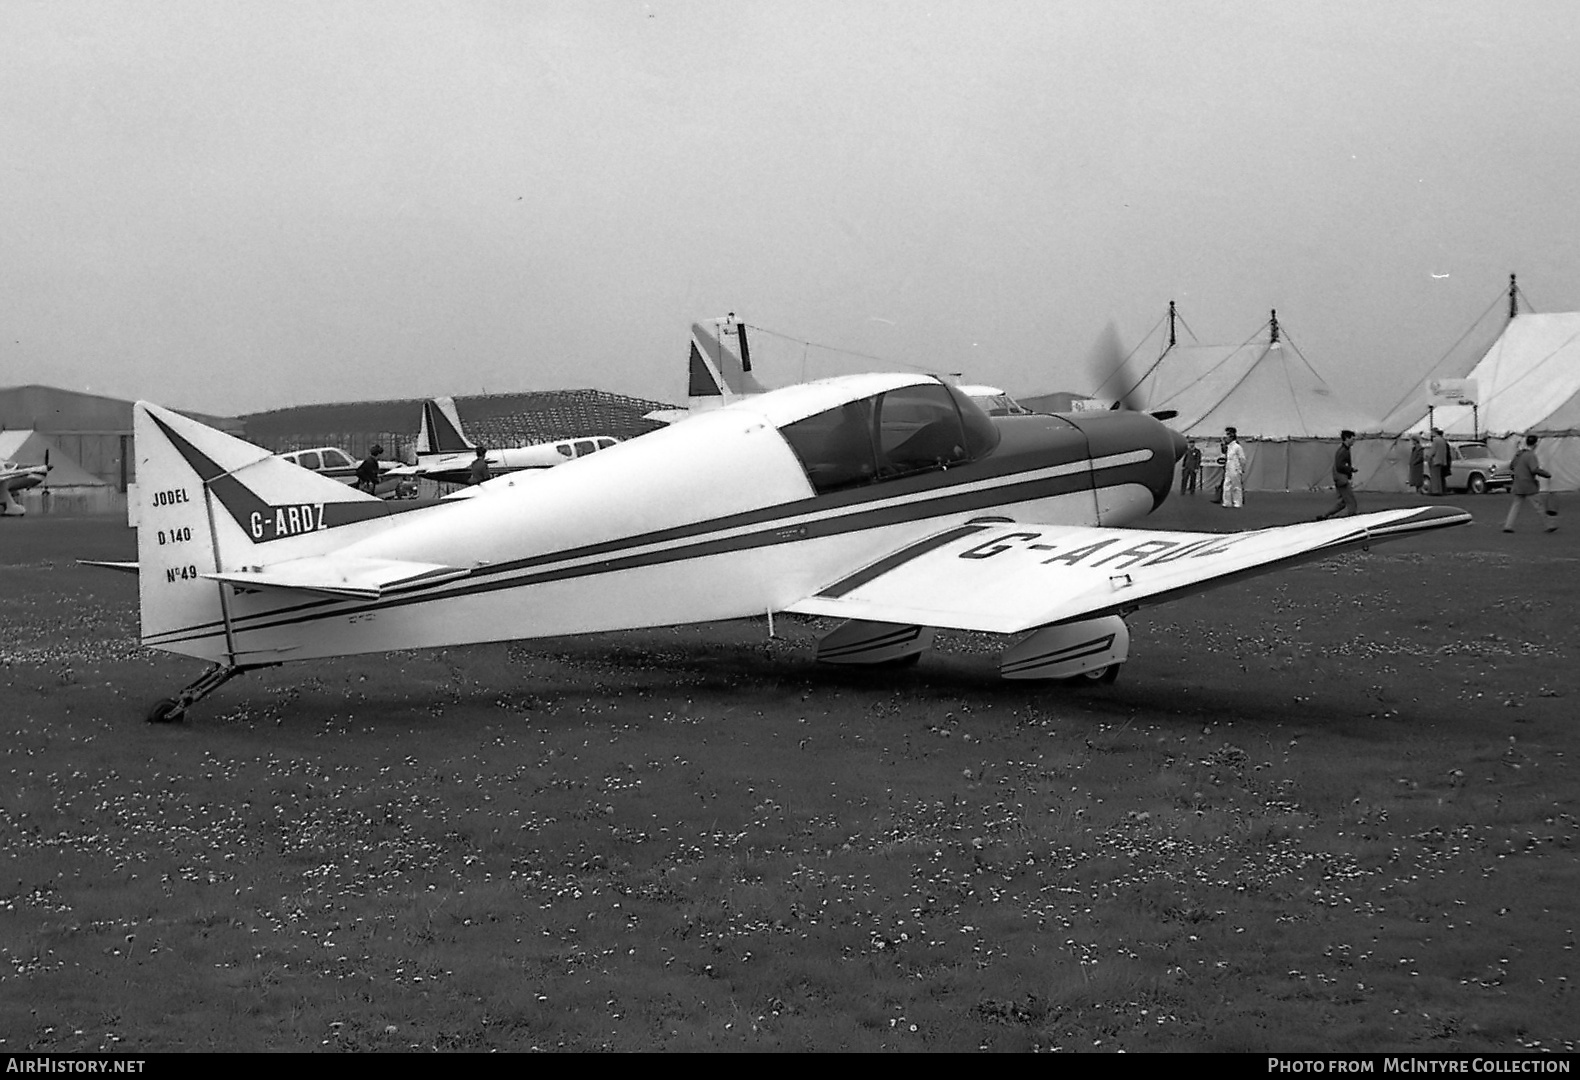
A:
1423,518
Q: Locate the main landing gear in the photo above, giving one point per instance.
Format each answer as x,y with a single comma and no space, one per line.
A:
170,710
1097,676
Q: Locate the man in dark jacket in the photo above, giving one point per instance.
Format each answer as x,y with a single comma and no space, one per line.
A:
1343,471
478,472
1190,470
1438,461
1526,488
368,471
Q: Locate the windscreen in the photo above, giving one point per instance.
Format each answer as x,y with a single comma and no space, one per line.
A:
914,429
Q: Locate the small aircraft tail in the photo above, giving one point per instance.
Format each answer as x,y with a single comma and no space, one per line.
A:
719,368
208,503
441,431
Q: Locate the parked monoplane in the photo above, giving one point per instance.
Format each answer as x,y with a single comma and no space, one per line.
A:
331,461
16,477
891,501
444,453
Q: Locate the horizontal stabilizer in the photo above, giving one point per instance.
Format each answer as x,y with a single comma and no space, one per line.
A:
1005,578
124,567
340,575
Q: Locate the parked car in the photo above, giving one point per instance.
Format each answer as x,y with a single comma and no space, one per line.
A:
334,462
1473,469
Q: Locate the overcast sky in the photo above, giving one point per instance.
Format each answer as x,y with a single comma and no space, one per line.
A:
235,206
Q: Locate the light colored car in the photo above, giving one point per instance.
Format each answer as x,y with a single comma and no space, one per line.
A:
334,462
1473,469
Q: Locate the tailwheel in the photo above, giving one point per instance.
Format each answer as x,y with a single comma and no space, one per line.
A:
1097,676
165,711
170,710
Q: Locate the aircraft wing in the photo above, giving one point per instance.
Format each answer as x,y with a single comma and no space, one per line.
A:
1003,577
11,472
340,575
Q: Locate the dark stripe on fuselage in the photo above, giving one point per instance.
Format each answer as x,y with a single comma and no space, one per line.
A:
778,531
780,528
1028,444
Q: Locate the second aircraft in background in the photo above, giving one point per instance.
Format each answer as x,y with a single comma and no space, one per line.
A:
445,454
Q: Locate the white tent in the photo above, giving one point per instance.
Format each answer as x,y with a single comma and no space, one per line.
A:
68,483
1286,415
1264,389
1527,382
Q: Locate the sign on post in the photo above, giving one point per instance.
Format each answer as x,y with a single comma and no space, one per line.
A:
1444,392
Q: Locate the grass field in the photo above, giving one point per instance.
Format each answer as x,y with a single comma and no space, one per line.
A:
1329,809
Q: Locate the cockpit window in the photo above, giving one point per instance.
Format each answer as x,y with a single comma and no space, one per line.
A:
835,447
903,432
982,435
919,429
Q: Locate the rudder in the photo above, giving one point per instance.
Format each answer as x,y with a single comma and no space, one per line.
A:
207,502
441,431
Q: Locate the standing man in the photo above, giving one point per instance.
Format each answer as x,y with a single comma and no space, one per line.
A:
1343,470
1417,466
1223,457
1233,470
368,471
477,472
1526,488
1190,470
1439,462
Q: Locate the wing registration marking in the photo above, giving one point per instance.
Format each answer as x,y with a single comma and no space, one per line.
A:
1152,551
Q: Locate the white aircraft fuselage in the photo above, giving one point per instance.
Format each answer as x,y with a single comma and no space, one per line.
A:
715,518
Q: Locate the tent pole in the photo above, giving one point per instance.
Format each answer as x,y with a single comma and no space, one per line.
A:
1514,303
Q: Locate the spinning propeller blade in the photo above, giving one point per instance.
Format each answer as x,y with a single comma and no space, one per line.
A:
1108,365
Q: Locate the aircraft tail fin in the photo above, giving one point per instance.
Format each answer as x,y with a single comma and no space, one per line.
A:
719,366
441,431
208,503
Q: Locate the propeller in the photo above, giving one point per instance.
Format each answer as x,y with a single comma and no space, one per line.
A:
1108,364
1106,368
